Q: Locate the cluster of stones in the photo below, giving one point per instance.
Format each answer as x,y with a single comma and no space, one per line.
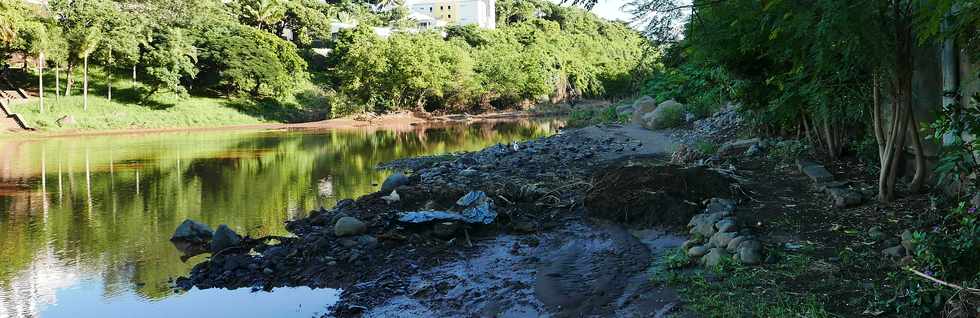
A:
646,112
841,196
716,237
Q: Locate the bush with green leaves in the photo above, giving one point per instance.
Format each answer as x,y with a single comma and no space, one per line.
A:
950,252
606,115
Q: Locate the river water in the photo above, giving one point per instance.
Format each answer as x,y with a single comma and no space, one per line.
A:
85,221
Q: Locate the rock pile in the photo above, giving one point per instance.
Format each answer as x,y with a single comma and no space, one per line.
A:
716,237
841,196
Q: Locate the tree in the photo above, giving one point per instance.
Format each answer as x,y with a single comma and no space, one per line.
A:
169,58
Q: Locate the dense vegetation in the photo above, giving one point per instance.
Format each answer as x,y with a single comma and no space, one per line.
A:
841,75
263,51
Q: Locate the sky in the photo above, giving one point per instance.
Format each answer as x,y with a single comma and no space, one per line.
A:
609,9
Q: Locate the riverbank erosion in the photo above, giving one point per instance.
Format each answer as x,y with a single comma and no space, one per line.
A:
503,231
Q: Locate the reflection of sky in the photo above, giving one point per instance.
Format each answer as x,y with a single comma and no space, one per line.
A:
241,303
35,287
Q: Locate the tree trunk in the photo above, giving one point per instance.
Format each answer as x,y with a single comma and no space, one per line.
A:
134,76
85,84
902,105
40,81
109,75
876,114
57,82
920,156
69,80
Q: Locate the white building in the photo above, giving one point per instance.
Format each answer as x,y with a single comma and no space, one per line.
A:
482,13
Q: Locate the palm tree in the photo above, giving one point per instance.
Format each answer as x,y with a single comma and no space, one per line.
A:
266,12
88,45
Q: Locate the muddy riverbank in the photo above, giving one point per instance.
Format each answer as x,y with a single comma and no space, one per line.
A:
546,251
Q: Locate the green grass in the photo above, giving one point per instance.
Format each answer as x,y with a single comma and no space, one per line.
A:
165,110
732,290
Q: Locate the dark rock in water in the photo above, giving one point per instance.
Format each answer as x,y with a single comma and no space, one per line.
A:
394,181
347,226
192,231
224,237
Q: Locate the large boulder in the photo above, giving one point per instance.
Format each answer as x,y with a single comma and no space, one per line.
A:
666,115
192,231
224,237
348,226
642,106
394,181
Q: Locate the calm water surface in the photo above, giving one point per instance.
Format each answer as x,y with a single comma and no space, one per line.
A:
85,221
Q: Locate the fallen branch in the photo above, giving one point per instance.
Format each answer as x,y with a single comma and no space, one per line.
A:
944,283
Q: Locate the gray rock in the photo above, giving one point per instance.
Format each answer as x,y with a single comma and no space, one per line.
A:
814,171
738,146
224,237
844,198
894,251
908,241
721,239
754,150
642,106
726,225
366,241
750,252
656,119
697,251
348,226
445,229
690,243
192,231
468,172
824,186
715,257
735,242
718,205
268,271
705,229
394,181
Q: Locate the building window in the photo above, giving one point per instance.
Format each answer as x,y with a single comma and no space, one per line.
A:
440,7
449,7
430,9
449,16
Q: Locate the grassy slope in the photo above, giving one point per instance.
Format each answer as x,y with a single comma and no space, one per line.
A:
163,111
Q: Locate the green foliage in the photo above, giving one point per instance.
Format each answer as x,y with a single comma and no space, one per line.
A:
670,116
788,150
957,161
703,89
706,147
563,53
592,116
170,57
244,61
950,252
